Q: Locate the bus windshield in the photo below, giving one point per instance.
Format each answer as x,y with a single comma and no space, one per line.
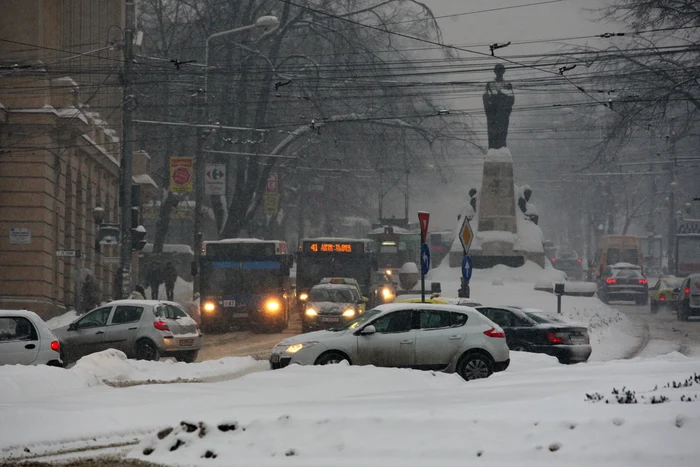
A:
236,280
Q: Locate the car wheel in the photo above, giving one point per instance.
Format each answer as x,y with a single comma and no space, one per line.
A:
645,301
604,298
654,307
330,358
475,366
519,347
147,350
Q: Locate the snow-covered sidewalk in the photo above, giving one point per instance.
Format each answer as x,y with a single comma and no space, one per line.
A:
535,413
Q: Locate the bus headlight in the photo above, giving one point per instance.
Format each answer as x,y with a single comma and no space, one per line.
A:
311,312
387,294
209,307
273,305
349,313
303,296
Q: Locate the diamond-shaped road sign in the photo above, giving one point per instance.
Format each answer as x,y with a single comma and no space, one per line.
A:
466,235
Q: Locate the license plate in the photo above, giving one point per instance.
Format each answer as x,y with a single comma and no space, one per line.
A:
186,342
274,358
330,320
577,340
240,315
229,303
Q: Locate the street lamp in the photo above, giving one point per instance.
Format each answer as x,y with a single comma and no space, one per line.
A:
266,22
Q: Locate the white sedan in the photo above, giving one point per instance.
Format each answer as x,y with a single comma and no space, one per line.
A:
25,339
406,335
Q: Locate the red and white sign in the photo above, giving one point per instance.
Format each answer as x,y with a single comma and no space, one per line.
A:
424,219
272,187
181,174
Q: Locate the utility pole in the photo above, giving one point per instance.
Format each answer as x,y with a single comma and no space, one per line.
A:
126,155
199,198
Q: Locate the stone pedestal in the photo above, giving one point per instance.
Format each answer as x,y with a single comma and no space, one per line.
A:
497,198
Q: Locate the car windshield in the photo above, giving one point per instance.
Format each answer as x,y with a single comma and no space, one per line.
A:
331,295
359,321
541,317
671,283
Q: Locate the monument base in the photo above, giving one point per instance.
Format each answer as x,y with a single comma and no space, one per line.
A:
503,234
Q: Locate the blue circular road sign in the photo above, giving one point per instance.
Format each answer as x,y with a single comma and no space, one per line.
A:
467,268
425,258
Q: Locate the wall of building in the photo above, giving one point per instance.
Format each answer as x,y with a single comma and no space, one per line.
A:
57,163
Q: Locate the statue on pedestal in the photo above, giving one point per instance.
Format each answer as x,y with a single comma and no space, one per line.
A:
498,103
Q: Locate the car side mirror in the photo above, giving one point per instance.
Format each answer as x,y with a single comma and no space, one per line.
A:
368,331
72,326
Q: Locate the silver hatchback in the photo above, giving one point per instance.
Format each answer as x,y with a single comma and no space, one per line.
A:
142,329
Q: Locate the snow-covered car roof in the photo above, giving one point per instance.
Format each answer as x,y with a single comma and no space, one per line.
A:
23,313
424,306
139,302
334,286
625,266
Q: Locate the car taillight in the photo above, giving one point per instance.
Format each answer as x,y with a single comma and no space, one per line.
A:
643,281
161,325
554,339
554,260
687,291
56,346
495,333
662,298
610,280
580,260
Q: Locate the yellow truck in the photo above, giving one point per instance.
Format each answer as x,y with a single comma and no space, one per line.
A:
614,249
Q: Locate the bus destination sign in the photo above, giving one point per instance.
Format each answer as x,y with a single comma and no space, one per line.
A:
327,247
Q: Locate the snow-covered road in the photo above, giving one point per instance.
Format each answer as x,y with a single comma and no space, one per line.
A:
664,333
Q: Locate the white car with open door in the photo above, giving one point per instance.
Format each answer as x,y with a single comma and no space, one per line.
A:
25,339
423,336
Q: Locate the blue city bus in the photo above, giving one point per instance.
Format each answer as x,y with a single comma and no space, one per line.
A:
245,282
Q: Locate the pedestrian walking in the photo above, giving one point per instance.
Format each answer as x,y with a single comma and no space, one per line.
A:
154,277
139,293
170,274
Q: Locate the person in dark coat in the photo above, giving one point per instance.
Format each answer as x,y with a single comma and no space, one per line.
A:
170,276
154,277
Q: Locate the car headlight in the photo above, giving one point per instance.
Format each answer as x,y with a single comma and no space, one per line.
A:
311,312
303,296
209,307
387,293
349,313
388,272
273,305
294,348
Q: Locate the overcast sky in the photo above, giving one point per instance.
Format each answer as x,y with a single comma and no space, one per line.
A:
562,19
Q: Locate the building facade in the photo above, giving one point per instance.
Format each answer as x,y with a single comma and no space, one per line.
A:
60,128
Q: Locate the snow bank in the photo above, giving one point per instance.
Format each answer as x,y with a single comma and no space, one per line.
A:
530,272
111,367
349,416
63,320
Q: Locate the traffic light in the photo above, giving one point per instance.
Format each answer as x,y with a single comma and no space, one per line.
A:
138,238
138,232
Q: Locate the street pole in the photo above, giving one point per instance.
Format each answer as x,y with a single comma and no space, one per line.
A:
126,155
198,201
